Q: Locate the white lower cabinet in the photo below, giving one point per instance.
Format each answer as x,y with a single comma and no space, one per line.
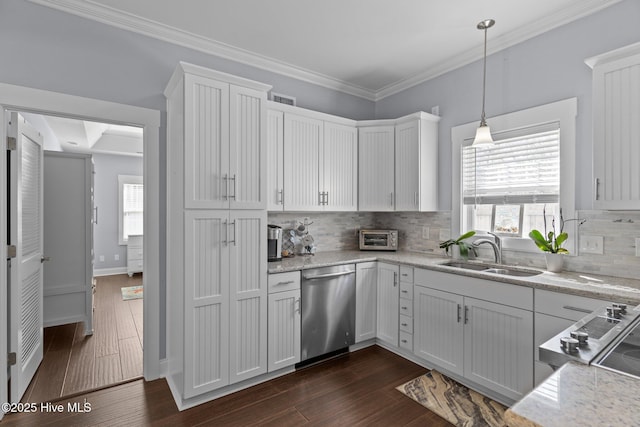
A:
366,300
488,343
284,320
388,300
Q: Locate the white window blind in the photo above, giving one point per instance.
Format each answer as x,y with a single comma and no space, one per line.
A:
132,195
521,167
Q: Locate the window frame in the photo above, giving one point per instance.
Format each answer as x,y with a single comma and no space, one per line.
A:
562,112
122,180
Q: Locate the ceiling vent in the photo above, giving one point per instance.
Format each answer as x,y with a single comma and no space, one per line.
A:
283,99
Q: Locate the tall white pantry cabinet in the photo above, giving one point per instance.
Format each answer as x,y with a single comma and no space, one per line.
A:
216,232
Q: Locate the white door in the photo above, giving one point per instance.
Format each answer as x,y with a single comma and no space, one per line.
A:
339,171
275,157
376,181
407,166
284,329
366,301
26,234
388,300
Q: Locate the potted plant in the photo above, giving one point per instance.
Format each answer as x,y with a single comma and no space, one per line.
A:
463,247
551,242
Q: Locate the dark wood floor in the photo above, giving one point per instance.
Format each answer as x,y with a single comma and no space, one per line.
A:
357,389
73,362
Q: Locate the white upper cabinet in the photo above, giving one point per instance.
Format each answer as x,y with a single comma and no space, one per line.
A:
376,189
320,166
302,138
225,155
339,168
416,165
616,128
275,159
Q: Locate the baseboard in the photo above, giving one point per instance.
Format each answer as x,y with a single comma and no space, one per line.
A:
109,271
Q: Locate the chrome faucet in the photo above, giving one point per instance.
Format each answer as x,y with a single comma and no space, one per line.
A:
495,245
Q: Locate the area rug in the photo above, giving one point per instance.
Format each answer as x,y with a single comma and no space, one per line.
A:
132,292
453,401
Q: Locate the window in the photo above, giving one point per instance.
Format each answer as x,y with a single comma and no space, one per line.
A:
130,207
505,188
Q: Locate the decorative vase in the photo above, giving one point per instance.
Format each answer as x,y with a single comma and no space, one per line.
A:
554,262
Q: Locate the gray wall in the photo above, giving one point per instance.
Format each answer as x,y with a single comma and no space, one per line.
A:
105,233
544,69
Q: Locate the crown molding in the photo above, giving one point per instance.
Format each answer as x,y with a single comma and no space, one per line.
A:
150,28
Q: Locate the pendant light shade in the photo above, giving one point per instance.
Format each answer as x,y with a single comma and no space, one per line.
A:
483,134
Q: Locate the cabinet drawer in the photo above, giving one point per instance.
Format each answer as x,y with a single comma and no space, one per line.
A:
406,341
406,274
134,265
406,324
134,253
280,282
406,307
572,307
406,290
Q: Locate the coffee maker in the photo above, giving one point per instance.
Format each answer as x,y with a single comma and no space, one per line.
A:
274,243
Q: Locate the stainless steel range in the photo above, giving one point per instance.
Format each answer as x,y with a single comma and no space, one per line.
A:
593,337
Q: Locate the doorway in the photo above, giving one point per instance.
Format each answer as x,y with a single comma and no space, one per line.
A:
44,102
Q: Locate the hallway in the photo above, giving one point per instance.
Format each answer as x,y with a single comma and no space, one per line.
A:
73,363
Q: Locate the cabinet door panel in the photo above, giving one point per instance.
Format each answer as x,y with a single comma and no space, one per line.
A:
407,166
248,294
498,347
340,167
275,158
247,137
438,328
375,169
388,300
366,301
302,138
284,329
206,302
206,156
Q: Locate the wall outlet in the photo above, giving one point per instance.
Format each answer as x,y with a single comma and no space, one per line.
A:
445,234
637,246
592,245
116,257
425,232
101,258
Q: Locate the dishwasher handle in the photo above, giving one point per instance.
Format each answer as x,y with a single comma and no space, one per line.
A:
326,276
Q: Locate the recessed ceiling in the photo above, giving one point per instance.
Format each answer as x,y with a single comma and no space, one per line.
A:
81,136
369,48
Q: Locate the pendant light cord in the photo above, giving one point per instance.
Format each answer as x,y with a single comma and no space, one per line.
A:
483,122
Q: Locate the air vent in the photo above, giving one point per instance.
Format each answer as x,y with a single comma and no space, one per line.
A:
283,99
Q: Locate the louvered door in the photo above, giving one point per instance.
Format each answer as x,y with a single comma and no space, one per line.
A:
247,150
248,294
339,168
206,301
376,190
26,234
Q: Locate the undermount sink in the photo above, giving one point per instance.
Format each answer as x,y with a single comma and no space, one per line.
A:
504,271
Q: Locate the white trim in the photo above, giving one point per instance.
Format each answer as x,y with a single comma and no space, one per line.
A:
137,24
564,112
40,101
613,55
109,271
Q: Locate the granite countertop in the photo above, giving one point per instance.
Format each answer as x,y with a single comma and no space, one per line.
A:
588,285
581,395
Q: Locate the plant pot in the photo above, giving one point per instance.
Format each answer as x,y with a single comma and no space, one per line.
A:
554,262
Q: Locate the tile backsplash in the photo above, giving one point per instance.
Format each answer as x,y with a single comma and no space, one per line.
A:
338,231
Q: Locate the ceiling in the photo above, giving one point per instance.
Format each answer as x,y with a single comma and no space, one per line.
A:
368,48
80,136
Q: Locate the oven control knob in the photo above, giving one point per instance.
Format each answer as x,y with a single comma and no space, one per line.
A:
622,307
570,345
614,312
581,336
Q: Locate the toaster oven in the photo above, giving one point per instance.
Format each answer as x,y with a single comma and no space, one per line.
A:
378,240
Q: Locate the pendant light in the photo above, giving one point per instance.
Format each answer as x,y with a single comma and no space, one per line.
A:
483,133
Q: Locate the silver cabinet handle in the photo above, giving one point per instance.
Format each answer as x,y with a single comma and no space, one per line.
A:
404,341
288,282
404,291
459,316
281,197
225,178
226,232
391,199
320,198
404,308
45,258
466,314
234,187
403,324
326,199
581,310
95,215
296,305
234,232
395,279
596,185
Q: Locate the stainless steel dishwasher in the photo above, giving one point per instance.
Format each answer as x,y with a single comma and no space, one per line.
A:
328,300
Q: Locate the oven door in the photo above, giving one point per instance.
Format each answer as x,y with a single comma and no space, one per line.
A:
625,355
375,240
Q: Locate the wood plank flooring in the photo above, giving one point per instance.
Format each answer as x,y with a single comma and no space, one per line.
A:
357,389
76,363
